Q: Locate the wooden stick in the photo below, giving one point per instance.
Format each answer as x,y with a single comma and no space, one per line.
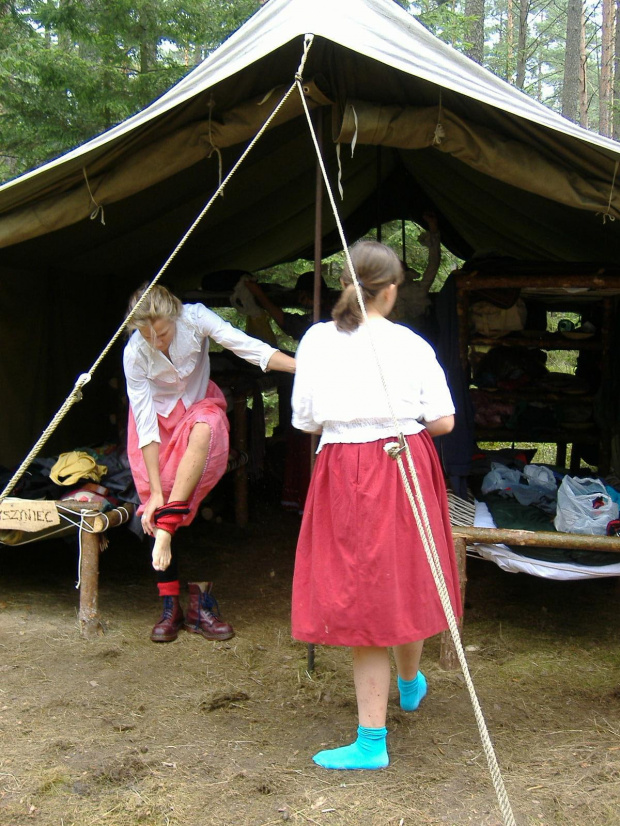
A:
543,539
448,659
597,281
90,624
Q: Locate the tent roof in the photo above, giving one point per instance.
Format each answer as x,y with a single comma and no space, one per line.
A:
503,172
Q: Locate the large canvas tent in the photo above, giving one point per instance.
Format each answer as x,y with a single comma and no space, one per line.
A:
408,123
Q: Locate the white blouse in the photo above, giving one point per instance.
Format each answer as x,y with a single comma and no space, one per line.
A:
338,385
155,383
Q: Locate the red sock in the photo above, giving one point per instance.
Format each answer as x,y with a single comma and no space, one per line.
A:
169,589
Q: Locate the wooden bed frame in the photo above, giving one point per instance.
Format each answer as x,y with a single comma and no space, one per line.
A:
464,536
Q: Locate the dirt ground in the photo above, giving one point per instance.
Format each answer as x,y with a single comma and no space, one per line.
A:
120,731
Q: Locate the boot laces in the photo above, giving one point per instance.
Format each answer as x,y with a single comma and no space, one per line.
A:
168,608
208,604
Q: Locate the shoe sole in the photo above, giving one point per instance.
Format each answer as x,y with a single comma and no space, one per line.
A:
212,637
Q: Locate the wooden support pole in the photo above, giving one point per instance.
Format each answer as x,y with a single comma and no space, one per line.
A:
448,659
90,624
240,414
90,542
316,308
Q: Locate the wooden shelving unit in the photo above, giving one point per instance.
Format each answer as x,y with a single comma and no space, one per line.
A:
595,287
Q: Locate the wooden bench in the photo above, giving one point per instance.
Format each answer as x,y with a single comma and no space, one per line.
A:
88,521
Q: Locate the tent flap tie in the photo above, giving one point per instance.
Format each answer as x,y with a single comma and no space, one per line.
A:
607,214
98,210
439,132
215,148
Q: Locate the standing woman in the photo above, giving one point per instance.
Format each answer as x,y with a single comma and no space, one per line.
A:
362,578
177,436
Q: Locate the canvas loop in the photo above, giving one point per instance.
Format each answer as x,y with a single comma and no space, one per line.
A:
215,148
439,132
607,214
98,210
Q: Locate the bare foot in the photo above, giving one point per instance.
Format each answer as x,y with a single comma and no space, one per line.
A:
162,555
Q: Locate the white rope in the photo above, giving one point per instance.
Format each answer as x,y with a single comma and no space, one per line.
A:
418,508
76,393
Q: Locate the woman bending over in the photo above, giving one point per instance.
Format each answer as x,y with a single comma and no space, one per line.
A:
177,437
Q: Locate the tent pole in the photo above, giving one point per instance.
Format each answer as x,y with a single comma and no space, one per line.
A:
379,228
316,305
318,221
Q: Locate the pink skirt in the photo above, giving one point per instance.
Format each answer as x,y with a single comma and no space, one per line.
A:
361,572
174,434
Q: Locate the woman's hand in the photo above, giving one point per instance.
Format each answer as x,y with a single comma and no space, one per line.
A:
156,500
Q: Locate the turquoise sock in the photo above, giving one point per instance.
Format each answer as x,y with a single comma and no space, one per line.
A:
412,692
368,752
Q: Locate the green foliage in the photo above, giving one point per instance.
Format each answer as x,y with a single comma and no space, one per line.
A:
71,69
446,20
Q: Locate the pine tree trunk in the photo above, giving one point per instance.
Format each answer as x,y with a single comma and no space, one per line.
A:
475,30
524,7
605,85
616,79
510,39
583,62
572,62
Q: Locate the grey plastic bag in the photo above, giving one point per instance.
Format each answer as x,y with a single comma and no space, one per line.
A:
584,506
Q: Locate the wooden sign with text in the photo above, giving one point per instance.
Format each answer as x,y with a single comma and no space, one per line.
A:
28,514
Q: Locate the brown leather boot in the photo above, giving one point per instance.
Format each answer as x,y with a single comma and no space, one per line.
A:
171,621
203,614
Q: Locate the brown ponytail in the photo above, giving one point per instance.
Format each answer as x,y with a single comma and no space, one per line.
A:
376,267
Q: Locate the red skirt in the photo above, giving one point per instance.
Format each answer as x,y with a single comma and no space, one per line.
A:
361,572
174,433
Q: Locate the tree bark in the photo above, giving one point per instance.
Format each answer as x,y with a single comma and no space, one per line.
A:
583,78
524,8
475,29
616,78
510,39
572,63
607,57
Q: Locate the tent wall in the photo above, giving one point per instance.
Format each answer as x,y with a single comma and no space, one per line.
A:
53,337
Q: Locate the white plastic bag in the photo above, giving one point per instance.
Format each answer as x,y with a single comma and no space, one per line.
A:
584,506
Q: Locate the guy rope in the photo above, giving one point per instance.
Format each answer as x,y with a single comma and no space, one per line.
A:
395,449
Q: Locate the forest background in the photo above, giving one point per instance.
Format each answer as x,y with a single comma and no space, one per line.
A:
71,69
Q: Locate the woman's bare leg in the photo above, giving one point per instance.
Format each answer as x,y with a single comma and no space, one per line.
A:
407,658
411,682
191,468
371,674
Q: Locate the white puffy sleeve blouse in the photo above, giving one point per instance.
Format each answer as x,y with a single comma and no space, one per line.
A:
339,387
155,383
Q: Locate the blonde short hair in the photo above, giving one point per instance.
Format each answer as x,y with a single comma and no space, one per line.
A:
159,303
